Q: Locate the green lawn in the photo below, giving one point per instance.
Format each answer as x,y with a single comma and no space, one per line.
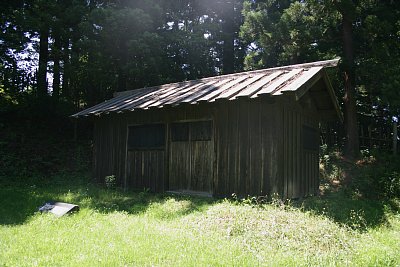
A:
115,228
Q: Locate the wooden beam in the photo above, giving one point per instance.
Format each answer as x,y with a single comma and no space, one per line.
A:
333,96
302,90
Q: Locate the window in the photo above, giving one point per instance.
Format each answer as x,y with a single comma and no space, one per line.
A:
310,138
150,136
180,132
191,131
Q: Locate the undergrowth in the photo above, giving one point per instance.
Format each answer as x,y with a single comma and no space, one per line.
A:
138,228
354,221
34,156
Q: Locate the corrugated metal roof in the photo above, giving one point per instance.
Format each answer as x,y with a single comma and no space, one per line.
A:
249,84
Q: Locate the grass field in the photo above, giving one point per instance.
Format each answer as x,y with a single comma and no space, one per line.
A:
116,228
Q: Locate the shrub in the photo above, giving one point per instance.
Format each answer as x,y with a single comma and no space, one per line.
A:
110,181
379,179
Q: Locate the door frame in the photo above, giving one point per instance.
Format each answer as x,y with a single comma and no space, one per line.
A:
212,152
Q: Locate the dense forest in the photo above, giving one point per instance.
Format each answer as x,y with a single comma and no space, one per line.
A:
57,57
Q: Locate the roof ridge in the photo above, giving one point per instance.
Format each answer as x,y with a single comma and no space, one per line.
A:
231,86
324,63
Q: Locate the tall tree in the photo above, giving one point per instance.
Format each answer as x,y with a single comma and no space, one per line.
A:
56,56
38,20
228,36
121,49
43,60
13,41
261,33
347,9
297,31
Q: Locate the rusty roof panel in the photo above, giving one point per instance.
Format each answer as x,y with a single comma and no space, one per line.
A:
236,89
212,95
278,83
180,97
250,90
192,98
250,84
301,80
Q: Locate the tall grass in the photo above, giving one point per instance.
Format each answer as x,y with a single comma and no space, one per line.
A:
115,228
348,224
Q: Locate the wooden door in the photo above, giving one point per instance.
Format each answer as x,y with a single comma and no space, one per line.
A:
146,170
191,156
146,157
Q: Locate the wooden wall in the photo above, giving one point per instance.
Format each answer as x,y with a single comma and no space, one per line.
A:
150,168
146,169
109,148
191,166
300,164
256,149
247,142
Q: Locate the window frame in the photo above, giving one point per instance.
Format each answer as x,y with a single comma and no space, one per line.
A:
306,140
162,146
190,128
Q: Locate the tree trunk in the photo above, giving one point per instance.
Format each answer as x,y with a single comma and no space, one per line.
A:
352,145
74,64
56,70
43,59
74,87
228,35
122,62
121,79
92,95
66,71
395,136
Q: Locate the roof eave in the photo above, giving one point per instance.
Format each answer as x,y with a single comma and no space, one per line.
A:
332,95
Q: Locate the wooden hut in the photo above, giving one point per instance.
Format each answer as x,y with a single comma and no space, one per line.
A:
249,133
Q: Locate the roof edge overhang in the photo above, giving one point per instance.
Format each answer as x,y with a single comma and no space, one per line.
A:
324,63
299,88
332,94
309,83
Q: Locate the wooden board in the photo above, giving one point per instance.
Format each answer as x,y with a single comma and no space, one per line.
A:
146,170
191,166
202,158
256,149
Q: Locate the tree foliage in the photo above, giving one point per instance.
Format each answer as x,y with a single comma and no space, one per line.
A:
363,33
69,54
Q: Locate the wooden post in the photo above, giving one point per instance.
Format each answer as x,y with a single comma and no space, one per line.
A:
395,121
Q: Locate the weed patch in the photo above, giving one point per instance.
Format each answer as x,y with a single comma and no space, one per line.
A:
140,228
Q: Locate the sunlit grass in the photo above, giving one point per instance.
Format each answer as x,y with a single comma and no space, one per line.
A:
114,228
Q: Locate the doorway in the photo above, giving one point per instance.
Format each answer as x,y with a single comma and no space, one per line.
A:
191,156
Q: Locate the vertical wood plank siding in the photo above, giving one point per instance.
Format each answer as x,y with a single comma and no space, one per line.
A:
109,148
179,152
145,169
256,149
301,165
247,148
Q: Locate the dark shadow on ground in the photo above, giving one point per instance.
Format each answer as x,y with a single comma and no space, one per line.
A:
348,209
357,193
19,202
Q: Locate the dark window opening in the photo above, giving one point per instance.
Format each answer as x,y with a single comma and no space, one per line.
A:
310,138
150,136
179,132
191,131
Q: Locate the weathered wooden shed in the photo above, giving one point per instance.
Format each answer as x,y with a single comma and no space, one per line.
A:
249,133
